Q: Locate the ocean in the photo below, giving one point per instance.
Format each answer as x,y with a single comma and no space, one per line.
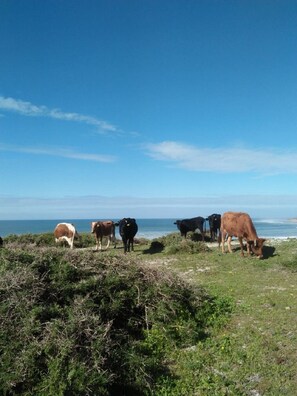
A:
147,228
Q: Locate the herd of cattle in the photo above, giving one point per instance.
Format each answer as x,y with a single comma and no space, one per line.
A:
127,228
222,228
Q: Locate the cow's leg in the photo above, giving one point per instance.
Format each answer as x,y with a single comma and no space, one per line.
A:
130,245
248,248
66,239
241,246
100,243
222,240
202,234
125,244
108,241
229,243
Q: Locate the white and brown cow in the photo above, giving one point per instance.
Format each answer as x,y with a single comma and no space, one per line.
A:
240,225
103,229
65,232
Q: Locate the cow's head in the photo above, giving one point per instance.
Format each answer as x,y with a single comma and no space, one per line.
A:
95,225
257,246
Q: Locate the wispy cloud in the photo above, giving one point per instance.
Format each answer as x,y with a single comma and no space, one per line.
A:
59,152
232,159
31,110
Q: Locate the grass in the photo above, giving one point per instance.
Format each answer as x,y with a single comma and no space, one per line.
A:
248,341
255,352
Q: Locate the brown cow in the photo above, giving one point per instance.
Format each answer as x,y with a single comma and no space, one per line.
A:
241,226
65,232
101,229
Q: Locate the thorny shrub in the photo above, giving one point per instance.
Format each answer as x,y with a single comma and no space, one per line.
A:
78,323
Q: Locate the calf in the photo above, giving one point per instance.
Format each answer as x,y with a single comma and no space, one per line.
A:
128,229
103,229
187,225
65,232
240,225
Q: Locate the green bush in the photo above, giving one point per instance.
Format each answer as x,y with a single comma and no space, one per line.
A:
85,240
78,323
174,243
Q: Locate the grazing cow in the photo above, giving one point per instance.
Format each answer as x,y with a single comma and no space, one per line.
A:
214,225
241,226
128,229
187,225
101,229
65,232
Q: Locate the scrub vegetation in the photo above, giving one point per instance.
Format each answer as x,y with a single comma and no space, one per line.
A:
174,317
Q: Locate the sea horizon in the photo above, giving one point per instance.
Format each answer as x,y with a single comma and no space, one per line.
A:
149,228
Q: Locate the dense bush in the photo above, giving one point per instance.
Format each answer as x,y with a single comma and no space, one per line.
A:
78,323
174,243
84,240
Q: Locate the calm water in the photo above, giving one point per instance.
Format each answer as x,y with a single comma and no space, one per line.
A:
148,228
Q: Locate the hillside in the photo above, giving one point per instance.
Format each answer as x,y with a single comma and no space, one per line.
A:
172,318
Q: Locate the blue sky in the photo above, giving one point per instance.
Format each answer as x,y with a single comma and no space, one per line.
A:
147,108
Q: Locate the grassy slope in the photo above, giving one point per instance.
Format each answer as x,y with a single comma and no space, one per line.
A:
255,353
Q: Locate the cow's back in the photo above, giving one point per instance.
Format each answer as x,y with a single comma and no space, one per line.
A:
108,227
64,229
103,228
238,224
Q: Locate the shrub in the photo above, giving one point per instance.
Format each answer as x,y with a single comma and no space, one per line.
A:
74,322
174,243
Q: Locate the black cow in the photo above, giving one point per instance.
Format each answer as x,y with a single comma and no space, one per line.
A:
187,225
127,229
214,225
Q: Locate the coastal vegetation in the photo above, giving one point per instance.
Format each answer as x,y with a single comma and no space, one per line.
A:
174,317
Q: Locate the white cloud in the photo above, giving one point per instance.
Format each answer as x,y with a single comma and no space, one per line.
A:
232,159
59,152
29,109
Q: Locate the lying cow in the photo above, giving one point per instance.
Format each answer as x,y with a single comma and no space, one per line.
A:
214,221
240,225
187,225
128,229
65,232
103,229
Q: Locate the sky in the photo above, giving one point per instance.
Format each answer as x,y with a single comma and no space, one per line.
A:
147,108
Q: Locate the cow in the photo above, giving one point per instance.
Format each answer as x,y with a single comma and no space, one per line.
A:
65,232
103,229
128,229
240,225
187,225
214,221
